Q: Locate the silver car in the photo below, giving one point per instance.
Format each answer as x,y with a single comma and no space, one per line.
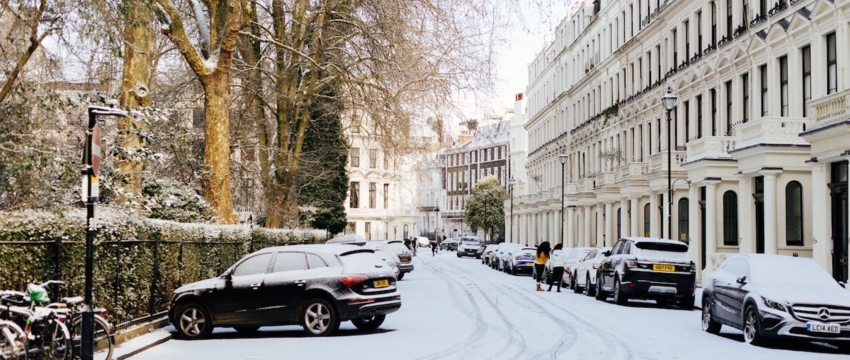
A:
769,296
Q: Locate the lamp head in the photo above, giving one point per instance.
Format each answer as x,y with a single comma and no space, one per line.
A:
563,158
669,100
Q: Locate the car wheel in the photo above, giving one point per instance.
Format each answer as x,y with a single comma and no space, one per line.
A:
619,297
319,317
587,287
246,329
193,321
751,326
601,295
400,276
458,255
513,271
370,323
708,323
575,286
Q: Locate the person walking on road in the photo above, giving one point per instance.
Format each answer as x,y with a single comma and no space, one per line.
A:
540,259
558,260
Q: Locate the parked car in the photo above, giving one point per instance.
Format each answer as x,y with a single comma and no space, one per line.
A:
505,253
570,264
488,253
423,242
390,259
521,261
495,257
449,244
405,257
547,269
469,246
769,296
352,239
646,268
585,271
315,286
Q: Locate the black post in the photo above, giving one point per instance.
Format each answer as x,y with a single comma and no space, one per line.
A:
512,212
669,180
88,309
562,202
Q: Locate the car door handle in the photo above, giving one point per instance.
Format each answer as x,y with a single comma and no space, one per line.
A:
300,282
256,286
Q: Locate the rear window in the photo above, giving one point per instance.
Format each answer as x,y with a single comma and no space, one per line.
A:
398,248
361,259
662,247
665,251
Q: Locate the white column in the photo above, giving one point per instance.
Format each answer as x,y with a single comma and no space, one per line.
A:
821,247
770,239
653,216
746,235
609,228
624,217
633,218
600,226
721,20
773,85
585,240
694,239
710,222
570,224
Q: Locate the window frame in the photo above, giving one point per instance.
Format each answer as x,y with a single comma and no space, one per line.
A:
731,230
790,218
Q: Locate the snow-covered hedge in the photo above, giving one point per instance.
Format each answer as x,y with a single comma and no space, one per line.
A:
137,261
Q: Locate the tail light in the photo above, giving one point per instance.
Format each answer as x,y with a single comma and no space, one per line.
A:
351,280
361,301
631,263
596,265
103,313
519,257
61,318
693,267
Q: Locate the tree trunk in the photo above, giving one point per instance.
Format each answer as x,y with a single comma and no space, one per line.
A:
281,207
135,90
216,177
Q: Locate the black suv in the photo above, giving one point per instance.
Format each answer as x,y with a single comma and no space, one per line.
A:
315,286
645,268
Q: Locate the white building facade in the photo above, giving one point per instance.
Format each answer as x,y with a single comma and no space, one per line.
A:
756,152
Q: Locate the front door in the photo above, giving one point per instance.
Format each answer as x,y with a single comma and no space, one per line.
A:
838,192
758,194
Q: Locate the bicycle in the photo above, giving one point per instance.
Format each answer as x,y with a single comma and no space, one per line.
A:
45,330
104,337
13,341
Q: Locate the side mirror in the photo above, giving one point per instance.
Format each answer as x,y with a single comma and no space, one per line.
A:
607,253
742,280
843,284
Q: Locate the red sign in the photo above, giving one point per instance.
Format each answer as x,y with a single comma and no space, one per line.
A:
95,150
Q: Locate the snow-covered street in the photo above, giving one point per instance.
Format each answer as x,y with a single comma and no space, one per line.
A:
459,309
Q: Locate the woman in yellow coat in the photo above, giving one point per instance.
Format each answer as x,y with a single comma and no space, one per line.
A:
540,259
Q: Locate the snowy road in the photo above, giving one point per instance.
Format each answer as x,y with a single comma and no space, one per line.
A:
459,309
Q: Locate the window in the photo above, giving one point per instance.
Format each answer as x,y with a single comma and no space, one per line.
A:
386,196
373,158
684,225
728,108
783,85
290,261
646,220
687,106
713,93
699,31
745,85
355,125
354,197
730,218
831,65
387,161
807,78
253,265
315,261
675,50
763,74
368,230
355,157
729,18
763,8
713,23
699,116
687,26
372,190
794,214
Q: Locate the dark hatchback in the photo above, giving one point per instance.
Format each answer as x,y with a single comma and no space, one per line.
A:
315,286
646,268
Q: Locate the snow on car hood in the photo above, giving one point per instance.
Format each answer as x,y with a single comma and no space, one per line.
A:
803,293
203,284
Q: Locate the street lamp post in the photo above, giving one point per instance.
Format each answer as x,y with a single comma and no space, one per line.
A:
563,158
511,183
485,215
669,100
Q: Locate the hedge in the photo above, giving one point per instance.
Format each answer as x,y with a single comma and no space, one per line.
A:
138,262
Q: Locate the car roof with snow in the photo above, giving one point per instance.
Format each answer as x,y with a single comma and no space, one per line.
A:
654,240
330,249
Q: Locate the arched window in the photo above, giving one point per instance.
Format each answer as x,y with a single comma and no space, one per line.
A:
730,218
684,224
646,220
794,214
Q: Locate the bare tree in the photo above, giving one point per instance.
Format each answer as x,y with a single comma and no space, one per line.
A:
27,21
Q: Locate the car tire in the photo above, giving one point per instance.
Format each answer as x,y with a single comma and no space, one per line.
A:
193,321
400,276
246,330
370,323
458,255
591,291
619,297
708,324
319,317
601,295
513,271
752,326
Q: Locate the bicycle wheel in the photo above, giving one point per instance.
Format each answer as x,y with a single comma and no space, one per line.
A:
103,340
13,343
56,341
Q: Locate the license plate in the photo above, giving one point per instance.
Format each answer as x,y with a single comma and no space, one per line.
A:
823,328
661,267
382,283
405,259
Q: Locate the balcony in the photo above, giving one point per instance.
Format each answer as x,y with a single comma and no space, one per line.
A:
771,130
711,147
607,178
633,170
830,109
658,161
586,184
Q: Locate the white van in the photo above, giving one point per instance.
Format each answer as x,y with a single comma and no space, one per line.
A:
469,246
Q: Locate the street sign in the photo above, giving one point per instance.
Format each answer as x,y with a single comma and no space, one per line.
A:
95,151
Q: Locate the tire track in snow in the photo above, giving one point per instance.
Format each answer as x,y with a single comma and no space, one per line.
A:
475,338
569,335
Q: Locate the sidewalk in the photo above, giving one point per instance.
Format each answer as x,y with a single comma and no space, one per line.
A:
134,340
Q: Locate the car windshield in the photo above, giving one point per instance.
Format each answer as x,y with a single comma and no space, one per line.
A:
469,241
788,270
663,250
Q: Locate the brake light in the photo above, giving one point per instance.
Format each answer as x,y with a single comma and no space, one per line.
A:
351,280
519,257
61,318
596,265
103,313
631,263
